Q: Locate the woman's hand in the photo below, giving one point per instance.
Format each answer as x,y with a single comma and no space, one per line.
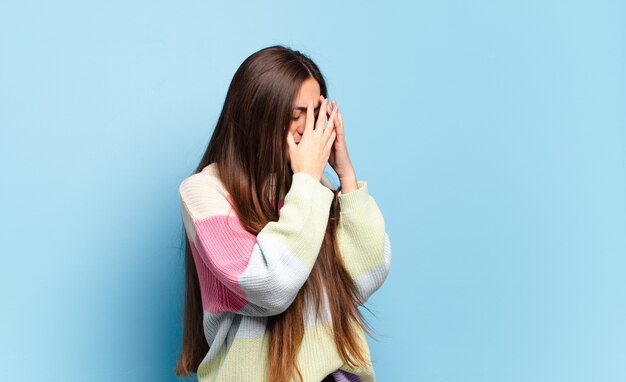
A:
339,158
311,154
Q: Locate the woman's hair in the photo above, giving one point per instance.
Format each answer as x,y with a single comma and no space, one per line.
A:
249,144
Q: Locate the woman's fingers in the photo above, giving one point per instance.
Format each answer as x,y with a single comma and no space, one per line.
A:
331,110
330,127
338,121
331,107
310,120
329,144
321,119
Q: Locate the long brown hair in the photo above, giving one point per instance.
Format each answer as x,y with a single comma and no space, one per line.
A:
249,145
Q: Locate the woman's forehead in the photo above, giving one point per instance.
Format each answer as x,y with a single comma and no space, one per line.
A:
309,92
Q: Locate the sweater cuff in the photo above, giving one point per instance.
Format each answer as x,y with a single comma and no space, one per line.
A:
354,200
303,182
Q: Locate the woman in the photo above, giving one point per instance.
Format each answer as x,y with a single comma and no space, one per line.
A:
277,259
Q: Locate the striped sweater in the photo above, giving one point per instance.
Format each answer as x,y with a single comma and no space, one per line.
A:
245,278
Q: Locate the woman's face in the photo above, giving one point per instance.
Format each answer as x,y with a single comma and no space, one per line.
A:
309,91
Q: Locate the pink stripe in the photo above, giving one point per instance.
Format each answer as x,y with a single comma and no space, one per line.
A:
216,298
224,248
221,253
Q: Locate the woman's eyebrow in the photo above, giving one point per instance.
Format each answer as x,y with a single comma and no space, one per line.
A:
303,108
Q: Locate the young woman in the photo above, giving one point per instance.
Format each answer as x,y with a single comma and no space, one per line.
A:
277,259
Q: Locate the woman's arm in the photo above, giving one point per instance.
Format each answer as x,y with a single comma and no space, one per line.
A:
261,274
363,241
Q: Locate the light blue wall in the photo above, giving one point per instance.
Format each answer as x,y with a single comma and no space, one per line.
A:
492,135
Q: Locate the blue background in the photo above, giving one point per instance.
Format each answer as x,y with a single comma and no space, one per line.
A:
492,135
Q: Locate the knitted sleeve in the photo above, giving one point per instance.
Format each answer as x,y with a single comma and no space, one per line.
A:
256,275
363,242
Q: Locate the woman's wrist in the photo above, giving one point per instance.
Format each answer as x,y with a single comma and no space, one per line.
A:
348,184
